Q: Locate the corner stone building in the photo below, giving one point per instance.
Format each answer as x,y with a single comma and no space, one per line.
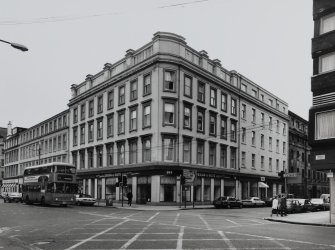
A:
165,108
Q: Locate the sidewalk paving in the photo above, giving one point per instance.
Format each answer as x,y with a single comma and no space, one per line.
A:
312,218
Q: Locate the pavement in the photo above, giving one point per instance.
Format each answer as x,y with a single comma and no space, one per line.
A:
320,218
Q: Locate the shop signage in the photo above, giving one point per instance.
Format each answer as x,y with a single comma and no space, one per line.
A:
262,178
320,157
290,175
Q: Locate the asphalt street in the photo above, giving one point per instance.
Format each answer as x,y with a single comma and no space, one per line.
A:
78,227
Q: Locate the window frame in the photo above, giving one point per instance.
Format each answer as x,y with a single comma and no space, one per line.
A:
190,87
173,82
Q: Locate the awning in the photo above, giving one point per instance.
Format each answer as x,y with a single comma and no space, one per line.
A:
262,185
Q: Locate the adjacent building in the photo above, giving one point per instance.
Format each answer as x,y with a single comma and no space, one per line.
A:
322,113
166,109
47,141
302,180
3,134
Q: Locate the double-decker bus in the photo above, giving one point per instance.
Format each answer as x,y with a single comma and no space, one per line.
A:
53,183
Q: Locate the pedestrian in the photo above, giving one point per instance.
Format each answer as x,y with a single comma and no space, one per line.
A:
283,206
279,204
130,198
274,206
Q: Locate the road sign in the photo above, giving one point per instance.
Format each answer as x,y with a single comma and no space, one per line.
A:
290,175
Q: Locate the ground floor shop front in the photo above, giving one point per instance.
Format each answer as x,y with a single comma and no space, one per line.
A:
164,187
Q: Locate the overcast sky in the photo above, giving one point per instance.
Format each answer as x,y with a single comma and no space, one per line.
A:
268,41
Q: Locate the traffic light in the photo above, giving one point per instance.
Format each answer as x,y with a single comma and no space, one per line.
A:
182,180
281,175
124,180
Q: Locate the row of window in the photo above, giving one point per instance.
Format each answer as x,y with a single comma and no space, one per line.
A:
99,126
58,123
57,143
262,141
110,99
262,166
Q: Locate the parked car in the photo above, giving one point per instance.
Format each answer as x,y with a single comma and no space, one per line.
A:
268,202
227,202
13,197
85,199
307,205
253,202
294,206
320,204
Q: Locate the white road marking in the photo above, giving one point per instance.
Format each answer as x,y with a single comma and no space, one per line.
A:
127,217
129,242
232,222
96,235
226,240
180,238
176,219
153,216
205,222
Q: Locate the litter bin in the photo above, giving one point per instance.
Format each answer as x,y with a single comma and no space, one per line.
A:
109,202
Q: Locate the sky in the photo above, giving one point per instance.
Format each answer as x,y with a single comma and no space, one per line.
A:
268,41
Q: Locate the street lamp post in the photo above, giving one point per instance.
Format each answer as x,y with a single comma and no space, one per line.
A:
16,45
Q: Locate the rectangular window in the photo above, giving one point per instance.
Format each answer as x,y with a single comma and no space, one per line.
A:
82,134
64,142
188,86
327,23
244,87
100,104
187,116
284,148
187,150
110,125
253,138
243,111
201,120
90,157
99,129
233,158
146,145
200,152
262,141
99,157
82,111
121,123
262,162
277,146
277,126
133,119
270,143
201,92
223,156
146,115
233,106
132,151
133,90
253,161
223,102
270,102
277,165
270,123
270,164
122,98
75,117
90,108
169,113
169,149
254,93
212,154
59,140
223,127
262,118
90,131
243,155
243,136
75,136
213,97
253,115
169,80
147,84
233,130
120,153
325,125
212,124
110,154
110,99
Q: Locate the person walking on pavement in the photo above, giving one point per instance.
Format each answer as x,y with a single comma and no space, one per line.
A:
130,198
274,206
279,204
283,206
